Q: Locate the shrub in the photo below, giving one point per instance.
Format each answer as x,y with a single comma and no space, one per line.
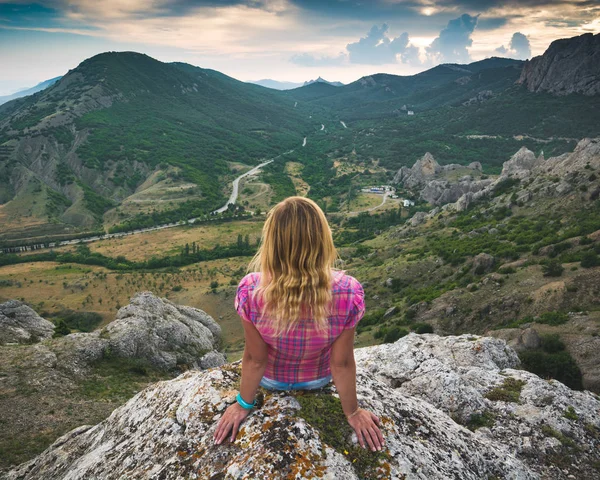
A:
509,391
553,318
590,259
560,366
61,329
551,343
552,268
394,334
422,328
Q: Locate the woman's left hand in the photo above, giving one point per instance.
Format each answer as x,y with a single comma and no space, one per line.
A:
230,421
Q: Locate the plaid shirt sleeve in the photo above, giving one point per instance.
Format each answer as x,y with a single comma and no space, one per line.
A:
358,306
241,300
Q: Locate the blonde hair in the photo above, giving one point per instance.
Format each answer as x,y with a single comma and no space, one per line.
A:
296,258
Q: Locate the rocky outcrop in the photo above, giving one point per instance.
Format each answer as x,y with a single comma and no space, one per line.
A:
21,324
423,387
151,329
423,169
435,183
520,164
570,65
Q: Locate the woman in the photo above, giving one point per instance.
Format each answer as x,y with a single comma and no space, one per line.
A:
299,317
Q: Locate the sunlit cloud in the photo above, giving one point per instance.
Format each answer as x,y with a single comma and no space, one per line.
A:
290,39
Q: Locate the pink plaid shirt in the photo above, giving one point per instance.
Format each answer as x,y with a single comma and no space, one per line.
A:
303,354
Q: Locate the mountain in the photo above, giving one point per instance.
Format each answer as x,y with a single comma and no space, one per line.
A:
322,80
450,407
569,65
123,121
29,91
438,86
275,84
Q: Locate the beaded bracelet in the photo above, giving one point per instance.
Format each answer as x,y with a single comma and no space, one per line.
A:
243,403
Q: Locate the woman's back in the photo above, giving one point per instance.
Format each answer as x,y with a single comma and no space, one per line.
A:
303,353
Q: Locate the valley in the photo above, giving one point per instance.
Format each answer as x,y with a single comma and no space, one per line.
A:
131,175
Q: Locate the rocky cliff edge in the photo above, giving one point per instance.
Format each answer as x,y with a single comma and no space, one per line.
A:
451,407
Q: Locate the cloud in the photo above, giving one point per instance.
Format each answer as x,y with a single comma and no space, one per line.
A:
519,47
309,60
451,45
377,48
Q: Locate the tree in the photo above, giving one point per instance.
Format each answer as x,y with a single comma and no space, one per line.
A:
590,259
552,268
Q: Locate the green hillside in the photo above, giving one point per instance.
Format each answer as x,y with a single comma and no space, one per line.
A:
118,118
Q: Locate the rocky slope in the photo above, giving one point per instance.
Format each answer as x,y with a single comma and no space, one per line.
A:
568,66
554,176
423,387
150,329
48,388
440,184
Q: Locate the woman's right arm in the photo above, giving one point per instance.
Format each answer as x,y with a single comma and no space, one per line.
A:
343,371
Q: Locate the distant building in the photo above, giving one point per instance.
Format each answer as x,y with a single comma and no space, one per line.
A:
410,112
408,203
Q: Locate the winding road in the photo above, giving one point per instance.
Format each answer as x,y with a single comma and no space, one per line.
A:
236,183
232,199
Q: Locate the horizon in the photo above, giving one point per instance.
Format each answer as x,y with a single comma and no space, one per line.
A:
282,40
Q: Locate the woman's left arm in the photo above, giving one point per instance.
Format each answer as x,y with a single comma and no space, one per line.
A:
254,363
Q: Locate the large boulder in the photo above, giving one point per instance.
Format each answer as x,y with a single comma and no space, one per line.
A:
520,164
423,387
21,324
150,329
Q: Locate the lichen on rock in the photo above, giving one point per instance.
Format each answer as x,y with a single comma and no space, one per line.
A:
423,387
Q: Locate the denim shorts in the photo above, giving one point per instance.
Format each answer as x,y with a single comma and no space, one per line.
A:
313,384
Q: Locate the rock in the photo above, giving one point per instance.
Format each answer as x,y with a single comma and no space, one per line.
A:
161,332
517,338
568,65
483,262
388,282
476,166
417,219
21,324
520,164
212,359
148,328
416,175
418,386
390,312
531,339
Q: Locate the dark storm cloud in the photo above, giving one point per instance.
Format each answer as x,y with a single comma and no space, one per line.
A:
491,23
451,45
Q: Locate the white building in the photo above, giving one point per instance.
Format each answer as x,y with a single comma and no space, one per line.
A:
408,203
410,112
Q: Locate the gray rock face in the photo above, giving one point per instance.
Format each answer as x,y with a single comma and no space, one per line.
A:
568,66
519,339
423,169
429,177
151,329
520,164
161,332
416,385
483,262
21,324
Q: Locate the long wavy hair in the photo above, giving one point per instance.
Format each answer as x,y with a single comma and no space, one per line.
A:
296,258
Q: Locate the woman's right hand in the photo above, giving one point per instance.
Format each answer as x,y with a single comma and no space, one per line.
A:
366,426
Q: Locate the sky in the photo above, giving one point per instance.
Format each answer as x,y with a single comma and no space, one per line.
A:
286,40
